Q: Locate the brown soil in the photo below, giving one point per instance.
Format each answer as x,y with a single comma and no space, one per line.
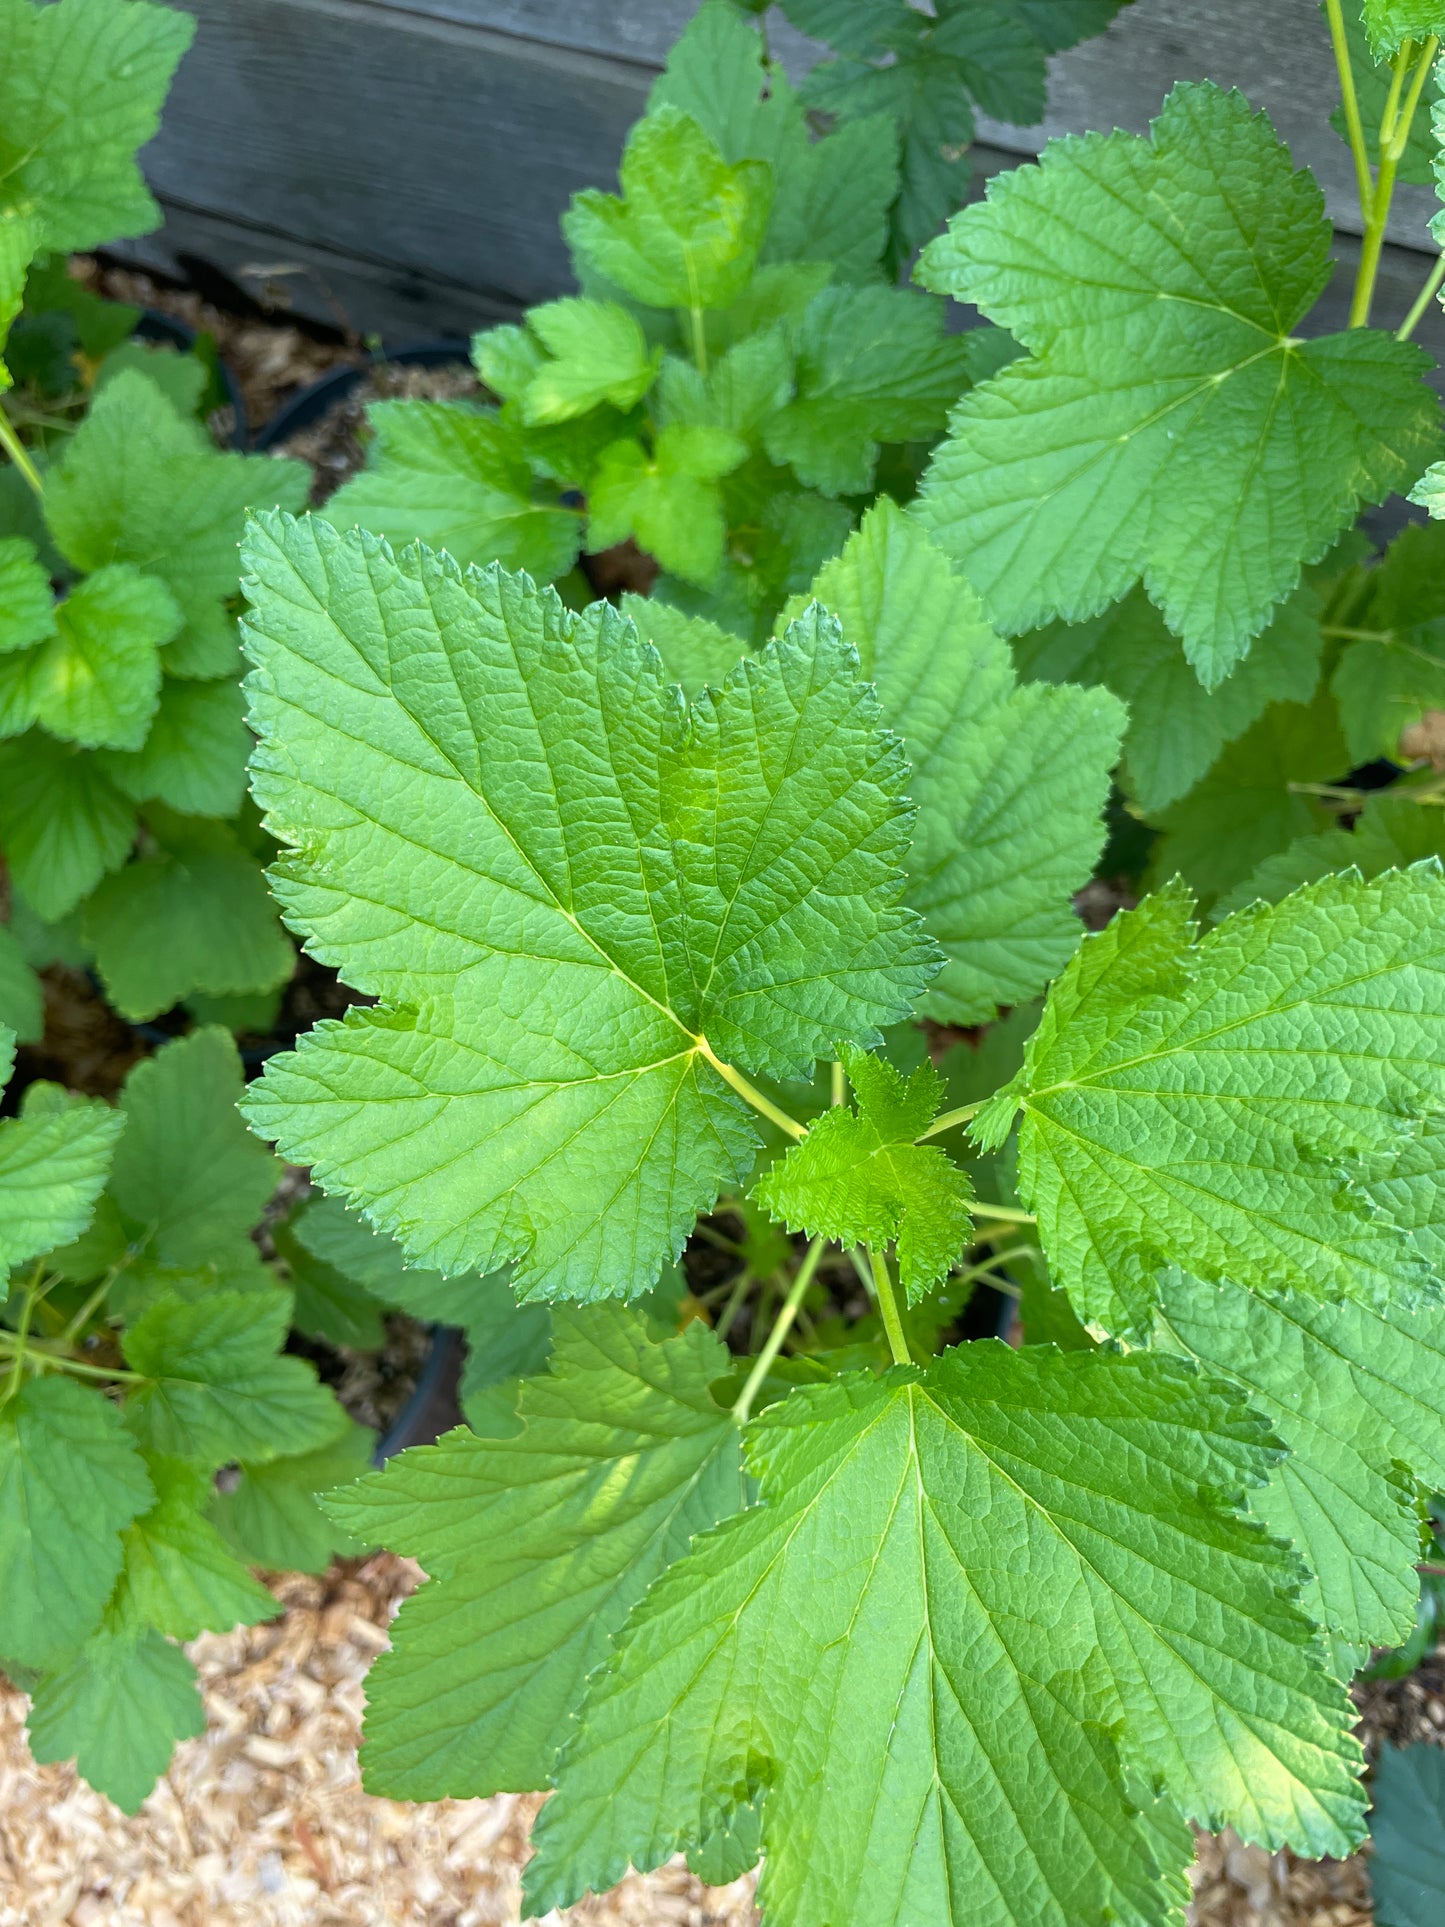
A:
335,446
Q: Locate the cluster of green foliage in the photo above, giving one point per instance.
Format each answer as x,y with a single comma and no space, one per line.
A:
667,908
122,729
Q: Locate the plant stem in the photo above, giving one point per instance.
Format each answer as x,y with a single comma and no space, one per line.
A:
888,1305
1394,134
51,1361
720,1239
1003,1214
840,1084
1422,301
950,1118
1350,100
17,1340
20,455
729,1312
750,1094
782,1325
77,1324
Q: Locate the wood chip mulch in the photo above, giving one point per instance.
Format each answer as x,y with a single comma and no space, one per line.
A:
262,1822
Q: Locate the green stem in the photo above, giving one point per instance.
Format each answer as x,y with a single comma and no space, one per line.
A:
888,1305
728,1315
1394,134
42,1355
21,1333
720,1240
750,1094
1350,101
82,1318
1003,1214
1422,301
20,455
950,1118
840,1085
782,1325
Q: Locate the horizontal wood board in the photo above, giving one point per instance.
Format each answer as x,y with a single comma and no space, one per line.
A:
408,162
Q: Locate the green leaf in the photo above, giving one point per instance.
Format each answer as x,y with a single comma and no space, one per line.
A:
858,1177
537,1545
377,1265
182,378
327,1303
1388,679
456,478
218,1388
194,758
97,678
81,86
1356,1395
71,1481
63,823
1389,23
695,652
1247,808
598,353
873,365
1198,1105
1407,1866
22,1007
971,1602
1391,832
741,393
53,1165
271,1514
554,933
1169,426
189,1181
830,197
687,228
193,916
117,1710
19,238
506,1340
140,483
669,501
1176,729
27,608
179,1575
1010,781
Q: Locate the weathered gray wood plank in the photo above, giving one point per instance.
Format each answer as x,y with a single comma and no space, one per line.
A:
414,157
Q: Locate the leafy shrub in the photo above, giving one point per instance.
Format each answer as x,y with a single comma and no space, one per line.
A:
122,733
667,910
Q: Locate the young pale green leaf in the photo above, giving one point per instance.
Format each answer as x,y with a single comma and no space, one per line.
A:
1009,781
194,915
1176,728
860,1178
1169,426
742,391
22,1008
872,365
96,679
71,1481
1356,1394
1407,1864
140,483
194,757
668,500
830,197
1391,831
1390,23
537,1545
973,1603
687,228
218,1388
63,823
1389,678
27,607
597,353
1224,1106
81,86
1251,805
54,1159
565,937
270,1515
179,1576
117,1709
458,479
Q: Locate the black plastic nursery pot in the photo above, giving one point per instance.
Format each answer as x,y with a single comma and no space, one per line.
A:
309,405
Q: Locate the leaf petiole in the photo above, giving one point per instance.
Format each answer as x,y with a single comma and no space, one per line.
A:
782,1325
887,1296
1349,99
750,1094
1422,300
949,1118
20,455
